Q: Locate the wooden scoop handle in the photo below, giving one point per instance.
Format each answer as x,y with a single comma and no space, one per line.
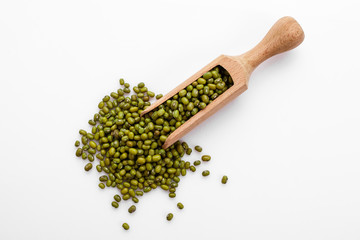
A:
284,35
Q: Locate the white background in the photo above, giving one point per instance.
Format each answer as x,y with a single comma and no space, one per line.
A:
290,144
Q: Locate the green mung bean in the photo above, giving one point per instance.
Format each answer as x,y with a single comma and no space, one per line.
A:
180,205
197,162
88,167
224,179
117,198
90,158
150,94
206,158
206,173
139,193
82,132
115,204
126,226
79,152
188,151
198,148
126,197
132,209
169,217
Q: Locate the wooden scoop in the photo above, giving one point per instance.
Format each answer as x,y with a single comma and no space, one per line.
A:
284,35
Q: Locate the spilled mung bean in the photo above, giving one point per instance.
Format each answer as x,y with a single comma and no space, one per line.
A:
224,179
169,217
126,226
127,145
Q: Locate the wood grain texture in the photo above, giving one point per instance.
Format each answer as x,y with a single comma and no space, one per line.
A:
284,35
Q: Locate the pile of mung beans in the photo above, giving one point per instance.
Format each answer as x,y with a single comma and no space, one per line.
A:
128,146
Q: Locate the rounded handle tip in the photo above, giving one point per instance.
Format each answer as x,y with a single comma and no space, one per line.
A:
290,33
283,36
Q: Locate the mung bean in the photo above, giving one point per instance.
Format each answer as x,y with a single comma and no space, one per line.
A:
117,198
88,167
224,179
197,162
169,217
206,158
198,148
132,209
180,205
115,204
206,173
126,226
